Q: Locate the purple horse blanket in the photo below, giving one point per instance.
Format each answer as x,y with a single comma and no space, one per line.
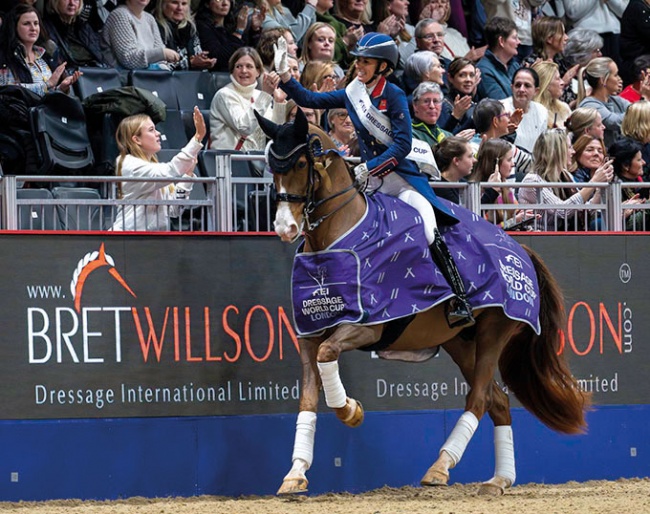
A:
382,270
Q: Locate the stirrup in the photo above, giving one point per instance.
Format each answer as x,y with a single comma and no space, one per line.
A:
459,314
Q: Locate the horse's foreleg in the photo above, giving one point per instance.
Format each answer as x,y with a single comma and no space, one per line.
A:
344,338
303,447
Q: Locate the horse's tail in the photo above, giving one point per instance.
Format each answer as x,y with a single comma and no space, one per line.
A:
536,373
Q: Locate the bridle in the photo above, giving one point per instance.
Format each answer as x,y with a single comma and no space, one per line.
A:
311,149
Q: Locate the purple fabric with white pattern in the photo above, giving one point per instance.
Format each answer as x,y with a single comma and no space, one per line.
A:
382,270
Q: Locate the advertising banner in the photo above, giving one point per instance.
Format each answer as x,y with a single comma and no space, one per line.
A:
137,326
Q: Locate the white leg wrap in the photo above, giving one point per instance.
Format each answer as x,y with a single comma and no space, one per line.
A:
303,446
332,386
504,453
459,438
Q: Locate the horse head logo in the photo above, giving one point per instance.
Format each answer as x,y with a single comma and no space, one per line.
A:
89,263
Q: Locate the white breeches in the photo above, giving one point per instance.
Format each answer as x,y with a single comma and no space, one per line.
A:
395,185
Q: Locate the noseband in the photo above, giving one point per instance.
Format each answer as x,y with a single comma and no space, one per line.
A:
282,164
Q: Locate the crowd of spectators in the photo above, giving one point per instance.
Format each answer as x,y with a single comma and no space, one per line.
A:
525,90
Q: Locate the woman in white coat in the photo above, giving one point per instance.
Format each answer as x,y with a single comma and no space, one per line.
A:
138,142
232,121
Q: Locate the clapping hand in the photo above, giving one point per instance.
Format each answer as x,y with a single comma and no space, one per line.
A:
199,124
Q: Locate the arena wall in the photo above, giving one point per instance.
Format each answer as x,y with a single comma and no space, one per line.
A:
163,365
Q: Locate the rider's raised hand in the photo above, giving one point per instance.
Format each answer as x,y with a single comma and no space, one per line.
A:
280,59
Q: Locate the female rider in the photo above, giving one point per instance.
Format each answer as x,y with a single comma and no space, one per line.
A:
385,144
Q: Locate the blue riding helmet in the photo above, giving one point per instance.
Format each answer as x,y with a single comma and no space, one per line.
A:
377,46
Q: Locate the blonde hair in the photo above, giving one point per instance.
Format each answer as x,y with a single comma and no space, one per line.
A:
364,20
581,120
595,70
311,31
54,6
163,22
550,155
315,72
546,72
636,121
129,127
542,29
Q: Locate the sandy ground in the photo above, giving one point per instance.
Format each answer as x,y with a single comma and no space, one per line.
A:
596,497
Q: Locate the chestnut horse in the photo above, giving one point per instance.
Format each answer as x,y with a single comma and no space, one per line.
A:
317,195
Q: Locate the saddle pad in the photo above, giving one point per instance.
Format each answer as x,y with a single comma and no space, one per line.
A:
382,270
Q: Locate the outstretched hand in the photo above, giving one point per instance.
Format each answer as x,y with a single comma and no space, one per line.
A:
280,59
199,124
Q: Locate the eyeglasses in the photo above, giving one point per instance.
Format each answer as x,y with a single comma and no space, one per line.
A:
503,114
434,101
436,35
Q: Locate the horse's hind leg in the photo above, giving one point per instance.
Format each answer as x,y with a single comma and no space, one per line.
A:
303,447
344,338
484,395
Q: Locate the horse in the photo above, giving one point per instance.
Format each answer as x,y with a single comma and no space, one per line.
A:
317,197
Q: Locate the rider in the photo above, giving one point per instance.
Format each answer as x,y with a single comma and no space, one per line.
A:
380,114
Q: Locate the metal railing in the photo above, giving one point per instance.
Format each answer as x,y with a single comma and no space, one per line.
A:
228,203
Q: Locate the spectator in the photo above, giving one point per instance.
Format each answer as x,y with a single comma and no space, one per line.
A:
636,125
640,86
352,13
427,103
222,33
131,39
603,17
635,36
405,32
77,43
458,104
585,120
279,16
138,142
498,65
421,67
521,14
268,39
551,155
312,115
430,36
628,167
602,75
178,32
583,46
319,76
550,91
455,43
233,125
588,157
525,86
455,159
318,45
341,129
346,37
22,60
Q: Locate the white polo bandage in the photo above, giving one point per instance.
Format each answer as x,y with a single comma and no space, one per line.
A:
335,395
459,438
504,453
303,446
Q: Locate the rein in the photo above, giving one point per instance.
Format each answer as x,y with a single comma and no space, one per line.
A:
311,204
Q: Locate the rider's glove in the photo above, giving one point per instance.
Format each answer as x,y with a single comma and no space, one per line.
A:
280,58
361,173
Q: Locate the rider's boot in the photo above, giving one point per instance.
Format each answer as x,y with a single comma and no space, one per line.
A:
459,311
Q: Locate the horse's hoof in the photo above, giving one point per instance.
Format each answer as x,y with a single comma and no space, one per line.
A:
496,486
293,486
487,489
435,477
355,418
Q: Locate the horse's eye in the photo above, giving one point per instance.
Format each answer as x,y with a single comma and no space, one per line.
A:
302,164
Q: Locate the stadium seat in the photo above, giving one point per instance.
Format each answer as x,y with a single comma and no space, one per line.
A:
172,131
220,78
36,216
193,88
96,80
79,217
188,123
59,127
158,82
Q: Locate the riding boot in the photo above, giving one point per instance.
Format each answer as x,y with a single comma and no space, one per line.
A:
459,311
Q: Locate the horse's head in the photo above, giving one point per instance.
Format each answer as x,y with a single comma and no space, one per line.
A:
300,157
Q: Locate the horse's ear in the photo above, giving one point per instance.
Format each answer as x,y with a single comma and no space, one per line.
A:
268,127
301,125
